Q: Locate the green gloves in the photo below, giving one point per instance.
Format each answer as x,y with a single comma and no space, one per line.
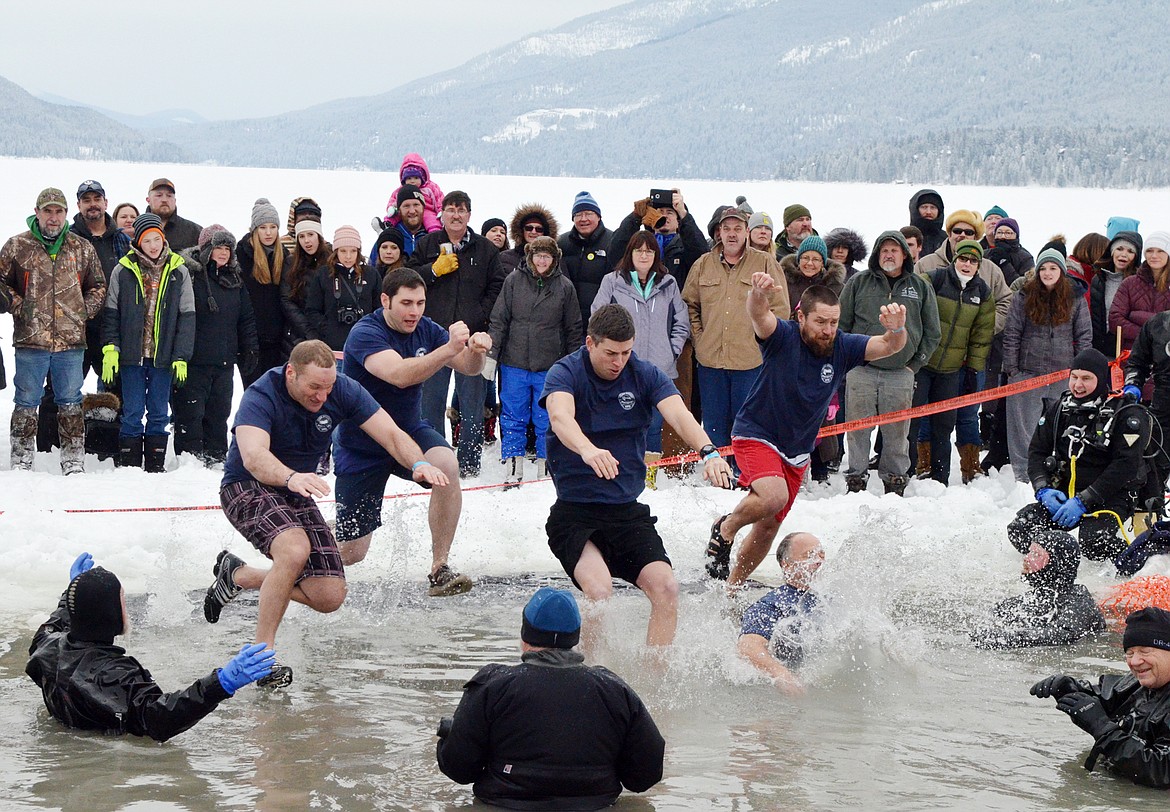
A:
179,369
109,363
445,264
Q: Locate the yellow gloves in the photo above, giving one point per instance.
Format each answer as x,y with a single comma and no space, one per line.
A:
445,264
179,370
109,363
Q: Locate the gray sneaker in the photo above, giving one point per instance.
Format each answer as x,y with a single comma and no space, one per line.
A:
446,582
221,593
279,677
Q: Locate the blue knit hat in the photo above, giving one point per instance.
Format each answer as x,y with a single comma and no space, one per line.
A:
585,202
551,619
813,243
1117,224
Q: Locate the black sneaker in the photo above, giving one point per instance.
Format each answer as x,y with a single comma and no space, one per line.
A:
719,552
446,582
279,677
221,593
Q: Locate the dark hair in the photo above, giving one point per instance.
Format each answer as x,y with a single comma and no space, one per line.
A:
912,231
817,295
784,548
455,198
611,321
303,265
401,278
642,239
121,206
1091,248
1044,307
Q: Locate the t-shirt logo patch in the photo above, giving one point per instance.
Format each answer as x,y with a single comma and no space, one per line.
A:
909,293
827,373
420,352
626,400
323,423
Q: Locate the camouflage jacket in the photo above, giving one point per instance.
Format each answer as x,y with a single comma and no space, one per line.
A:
51,300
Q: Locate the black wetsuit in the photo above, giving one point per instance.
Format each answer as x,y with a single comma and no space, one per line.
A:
551,733
93,686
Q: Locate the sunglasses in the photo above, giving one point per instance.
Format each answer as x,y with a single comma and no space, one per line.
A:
535,229
963,232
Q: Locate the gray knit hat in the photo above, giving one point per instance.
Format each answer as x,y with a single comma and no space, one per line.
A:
264,213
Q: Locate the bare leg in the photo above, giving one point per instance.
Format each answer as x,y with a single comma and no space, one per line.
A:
658,583
592,573
290,551
249,577
767,497
446,506
351,551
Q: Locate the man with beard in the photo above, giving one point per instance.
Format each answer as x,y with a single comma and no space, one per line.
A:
93,223
179,232
410,211
797,226
775,431
926,214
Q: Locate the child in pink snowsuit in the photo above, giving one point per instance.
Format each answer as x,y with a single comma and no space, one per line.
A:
415,172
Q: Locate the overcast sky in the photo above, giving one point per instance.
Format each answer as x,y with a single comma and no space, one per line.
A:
242,58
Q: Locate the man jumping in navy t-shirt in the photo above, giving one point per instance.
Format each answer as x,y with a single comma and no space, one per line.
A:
283,427
600,400
776,430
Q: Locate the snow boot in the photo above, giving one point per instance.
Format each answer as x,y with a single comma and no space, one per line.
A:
71,430
513,472
453,417
155,453
541,468
129,452
23,432
896,485
969,462
922,470
652,458
490,416
856,483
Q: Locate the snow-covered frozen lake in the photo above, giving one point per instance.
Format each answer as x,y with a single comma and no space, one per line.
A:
901,710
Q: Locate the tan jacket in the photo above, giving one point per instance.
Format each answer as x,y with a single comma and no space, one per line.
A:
716,296
51,300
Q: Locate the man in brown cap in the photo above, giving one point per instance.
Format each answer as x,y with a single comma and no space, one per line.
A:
180,233
52,282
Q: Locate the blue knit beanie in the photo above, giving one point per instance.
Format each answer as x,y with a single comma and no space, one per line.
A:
585,202
1118,224
813,243
551,619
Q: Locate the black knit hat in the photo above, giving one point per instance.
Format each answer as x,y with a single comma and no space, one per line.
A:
308,206
1093,360
1147,627
406,193
144,223
491,223
94,601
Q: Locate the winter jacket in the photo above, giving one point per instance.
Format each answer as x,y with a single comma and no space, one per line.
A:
831,276
107,246
585,260
933,233
50,301
1108,472
966,317
661,322
1136,301
535,321
1104,288
180,233
296,320
988,272
1011,258
430,190
716,297
551,733
92,686
679,251
865,293
1033,349
226,329
174,315
513,258
266,304
469,293
1055,611
1150,355
334,294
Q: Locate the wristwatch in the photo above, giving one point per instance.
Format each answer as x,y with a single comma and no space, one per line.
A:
708,451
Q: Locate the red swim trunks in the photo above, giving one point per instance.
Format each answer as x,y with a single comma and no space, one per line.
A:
757,460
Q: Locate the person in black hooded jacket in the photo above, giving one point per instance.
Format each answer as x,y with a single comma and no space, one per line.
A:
1055,611
225,335
88,683
551,732
928,220
585,251
264,260
1120,260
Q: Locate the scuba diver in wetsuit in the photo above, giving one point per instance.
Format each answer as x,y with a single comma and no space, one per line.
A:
1087,456
88,683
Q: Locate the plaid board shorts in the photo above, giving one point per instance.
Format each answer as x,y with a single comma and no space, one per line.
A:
261,513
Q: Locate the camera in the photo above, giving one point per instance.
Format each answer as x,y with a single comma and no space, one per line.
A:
661,198
349,315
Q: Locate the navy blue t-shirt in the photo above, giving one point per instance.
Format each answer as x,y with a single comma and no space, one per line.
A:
297,437
614,415
789,400
778,618
356,451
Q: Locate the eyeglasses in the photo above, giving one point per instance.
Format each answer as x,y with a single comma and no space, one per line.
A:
535,229
963,232
974,260
642,249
